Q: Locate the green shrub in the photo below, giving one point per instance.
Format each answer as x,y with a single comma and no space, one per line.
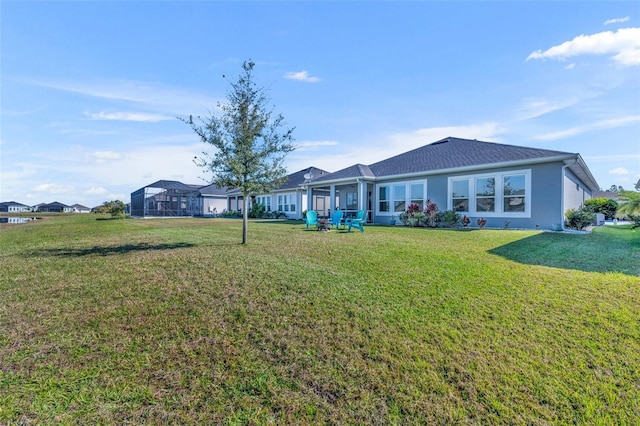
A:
256,211
449,218
635,218
579,219
605,206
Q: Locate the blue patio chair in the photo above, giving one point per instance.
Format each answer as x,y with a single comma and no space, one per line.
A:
311,218
357,222
336,219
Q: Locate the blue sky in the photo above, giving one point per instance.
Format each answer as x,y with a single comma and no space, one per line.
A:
90,91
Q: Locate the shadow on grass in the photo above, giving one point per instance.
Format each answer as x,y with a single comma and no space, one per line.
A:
604,251
109,250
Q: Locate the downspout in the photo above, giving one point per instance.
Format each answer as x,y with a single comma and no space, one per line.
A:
564,168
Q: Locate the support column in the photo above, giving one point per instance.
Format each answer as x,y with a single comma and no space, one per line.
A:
309,199
332,198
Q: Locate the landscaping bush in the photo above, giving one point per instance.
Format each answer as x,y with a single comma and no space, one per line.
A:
605,206
635,218
450,218
431,214
412,216
256,211
416,216
579,219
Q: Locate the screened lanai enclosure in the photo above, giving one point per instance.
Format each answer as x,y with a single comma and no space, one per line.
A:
165,198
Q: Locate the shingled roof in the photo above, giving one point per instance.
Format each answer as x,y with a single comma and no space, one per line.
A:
447,154
453,153
294,180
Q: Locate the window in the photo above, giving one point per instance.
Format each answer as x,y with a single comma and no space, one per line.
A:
352,201
497,194
514,193
286,203
383,199
395,198
485,194
460,195
417,194
399,198
264,201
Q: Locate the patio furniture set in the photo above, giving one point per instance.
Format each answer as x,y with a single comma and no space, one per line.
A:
336,221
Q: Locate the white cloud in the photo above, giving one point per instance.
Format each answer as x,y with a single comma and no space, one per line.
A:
611,157
129,116
619,171
417,138
313,145
624,44
616,20
533,108
155,97
570,66
54,188
301,76
96,191
104,156
598,125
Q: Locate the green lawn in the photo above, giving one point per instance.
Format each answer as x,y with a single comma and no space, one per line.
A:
173,321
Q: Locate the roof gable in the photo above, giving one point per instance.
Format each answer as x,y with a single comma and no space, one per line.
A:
295,180
356,171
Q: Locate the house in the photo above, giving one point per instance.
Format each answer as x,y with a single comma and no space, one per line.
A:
170,198
14,207
291,197
510,185
212,200
79,208
55,207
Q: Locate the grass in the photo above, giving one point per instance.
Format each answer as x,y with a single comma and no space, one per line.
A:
173,321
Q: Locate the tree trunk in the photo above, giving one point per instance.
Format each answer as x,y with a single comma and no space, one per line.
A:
245,217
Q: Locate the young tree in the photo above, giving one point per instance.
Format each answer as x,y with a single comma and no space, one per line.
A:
249,146
115,208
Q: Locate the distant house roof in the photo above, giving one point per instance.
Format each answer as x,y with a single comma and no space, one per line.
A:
80,207
172,184
12,203
212,190
455,153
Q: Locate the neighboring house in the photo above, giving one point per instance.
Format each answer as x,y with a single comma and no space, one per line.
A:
79,208
291,197
170,198
14,207
55,207
506,184
212,200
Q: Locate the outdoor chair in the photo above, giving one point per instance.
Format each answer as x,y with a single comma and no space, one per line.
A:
357,222
336,219
311,218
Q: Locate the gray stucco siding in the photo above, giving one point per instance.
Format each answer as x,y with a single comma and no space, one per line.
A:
545,198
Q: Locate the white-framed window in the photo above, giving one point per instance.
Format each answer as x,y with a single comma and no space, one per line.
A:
383,199
505,194
265,200
287,202
394,198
